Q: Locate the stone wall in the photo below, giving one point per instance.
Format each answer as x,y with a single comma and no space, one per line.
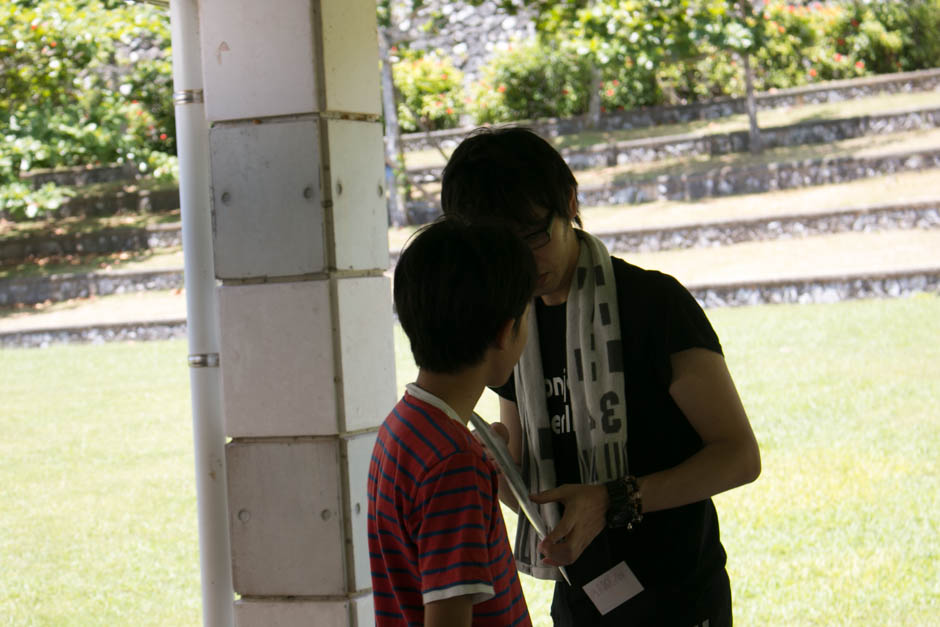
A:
96,334
818,289
728,181
802,134
82,175
103,242
57,288
922,215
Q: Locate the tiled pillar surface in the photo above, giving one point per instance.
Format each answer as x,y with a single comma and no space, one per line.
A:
300,247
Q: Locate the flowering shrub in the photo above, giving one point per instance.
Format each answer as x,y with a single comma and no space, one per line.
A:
628,87
429,87
530,80
81,82
812,42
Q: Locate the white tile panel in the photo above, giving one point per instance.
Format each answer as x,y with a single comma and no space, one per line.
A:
267,213
276,359
284,613
360,214
358,455
368,352
364,611
258,58
285,516
350,56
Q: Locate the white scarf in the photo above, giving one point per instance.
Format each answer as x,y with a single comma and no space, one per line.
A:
596,382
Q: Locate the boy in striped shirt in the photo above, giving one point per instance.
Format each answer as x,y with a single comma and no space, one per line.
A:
437,542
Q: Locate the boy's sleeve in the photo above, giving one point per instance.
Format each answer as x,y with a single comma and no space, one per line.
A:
453,521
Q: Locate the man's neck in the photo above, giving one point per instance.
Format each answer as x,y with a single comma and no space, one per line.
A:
460,391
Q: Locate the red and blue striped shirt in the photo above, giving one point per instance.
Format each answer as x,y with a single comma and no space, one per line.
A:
436,530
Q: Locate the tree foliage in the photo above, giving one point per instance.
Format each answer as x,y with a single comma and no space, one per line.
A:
81,82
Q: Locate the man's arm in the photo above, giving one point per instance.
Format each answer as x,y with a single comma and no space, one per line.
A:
452,612
510,427
703,389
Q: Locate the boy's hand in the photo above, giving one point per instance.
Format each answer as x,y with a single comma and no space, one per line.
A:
585,516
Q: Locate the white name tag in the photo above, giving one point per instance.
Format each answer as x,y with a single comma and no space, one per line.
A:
613,588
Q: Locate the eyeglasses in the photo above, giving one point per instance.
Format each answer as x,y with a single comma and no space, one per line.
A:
538,239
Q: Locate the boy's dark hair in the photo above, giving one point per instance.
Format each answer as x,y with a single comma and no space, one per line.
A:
456,285
505,174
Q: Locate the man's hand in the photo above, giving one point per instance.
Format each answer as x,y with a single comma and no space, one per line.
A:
585,516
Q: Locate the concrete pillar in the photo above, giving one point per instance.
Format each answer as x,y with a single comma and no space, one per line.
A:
300,247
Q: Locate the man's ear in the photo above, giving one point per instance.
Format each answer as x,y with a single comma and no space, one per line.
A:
572,204
506,334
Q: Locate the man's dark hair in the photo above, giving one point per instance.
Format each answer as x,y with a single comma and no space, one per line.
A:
505,174
456,285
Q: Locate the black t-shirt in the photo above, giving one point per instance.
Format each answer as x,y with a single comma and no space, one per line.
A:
673,550
551,325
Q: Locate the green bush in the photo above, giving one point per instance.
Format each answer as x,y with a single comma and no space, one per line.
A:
804,43
628,87
82,83
531,80
429,89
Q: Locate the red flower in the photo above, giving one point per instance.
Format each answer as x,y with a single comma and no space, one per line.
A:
565,91
33,27
781,29
610,92
163,136
860,64
840,41
450,111
812,72
443,77
53,44
616,82
838,57
855,23
501,88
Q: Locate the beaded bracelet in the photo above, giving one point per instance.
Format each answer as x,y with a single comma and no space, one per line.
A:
626,506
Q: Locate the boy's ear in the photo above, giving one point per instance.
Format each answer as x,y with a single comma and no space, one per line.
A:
506,333
572,204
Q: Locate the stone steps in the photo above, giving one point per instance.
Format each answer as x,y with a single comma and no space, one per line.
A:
915,215
654,149
798,290
713,181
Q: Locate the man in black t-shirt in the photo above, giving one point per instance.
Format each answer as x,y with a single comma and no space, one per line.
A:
623,416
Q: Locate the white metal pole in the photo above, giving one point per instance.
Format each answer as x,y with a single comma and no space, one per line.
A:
192,137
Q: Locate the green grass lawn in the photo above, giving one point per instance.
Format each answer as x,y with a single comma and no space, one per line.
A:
97,497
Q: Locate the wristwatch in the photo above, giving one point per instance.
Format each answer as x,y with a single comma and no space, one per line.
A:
625,508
